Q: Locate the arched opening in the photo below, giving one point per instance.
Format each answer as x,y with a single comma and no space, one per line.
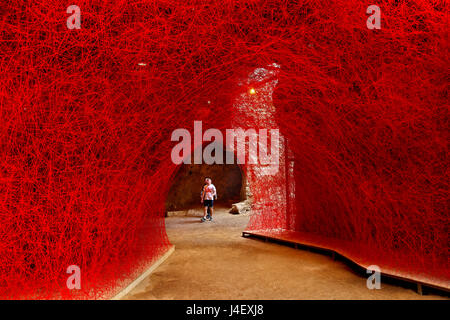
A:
183,198
189,180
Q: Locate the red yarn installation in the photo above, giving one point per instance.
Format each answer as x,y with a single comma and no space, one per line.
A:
87,115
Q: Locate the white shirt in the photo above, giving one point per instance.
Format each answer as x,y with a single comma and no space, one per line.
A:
209,192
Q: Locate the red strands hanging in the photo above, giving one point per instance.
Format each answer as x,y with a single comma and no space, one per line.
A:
86,116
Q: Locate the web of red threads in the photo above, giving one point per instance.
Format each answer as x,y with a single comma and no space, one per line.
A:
85,130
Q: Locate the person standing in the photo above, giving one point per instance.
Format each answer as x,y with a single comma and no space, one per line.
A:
209,193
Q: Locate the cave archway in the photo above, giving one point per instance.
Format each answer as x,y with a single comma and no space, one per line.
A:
187,183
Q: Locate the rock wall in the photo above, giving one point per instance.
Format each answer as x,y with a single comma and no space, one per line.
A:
188,183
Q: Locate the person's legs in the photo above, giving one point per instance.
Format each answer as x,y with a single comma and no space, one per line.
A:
211,213
207,205
211,209
208,210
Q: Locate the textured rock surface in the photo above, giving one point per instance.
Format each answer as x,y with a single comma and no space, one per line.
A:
188,183
240,207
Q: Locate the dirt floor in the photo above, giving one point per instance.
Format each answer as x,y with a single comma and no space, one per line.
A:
213,261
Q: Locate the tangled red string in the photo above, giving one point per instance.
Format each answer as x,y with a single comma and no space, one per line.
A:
86,118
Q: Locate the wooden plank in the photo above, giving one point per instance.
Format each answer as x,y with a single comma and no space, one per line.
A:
295,238
419,289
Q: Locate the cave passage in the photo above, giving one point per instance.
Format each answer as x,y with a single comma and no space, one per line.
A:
189,180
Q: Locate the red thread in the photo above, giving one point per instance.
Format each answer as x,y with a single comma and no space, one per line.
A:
86,117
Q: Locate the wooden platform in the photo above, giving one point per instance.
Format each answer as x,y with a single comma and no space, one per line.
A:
350,251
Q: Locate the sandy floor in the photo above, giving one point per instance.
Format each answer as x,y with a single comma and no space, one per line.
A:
213,261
